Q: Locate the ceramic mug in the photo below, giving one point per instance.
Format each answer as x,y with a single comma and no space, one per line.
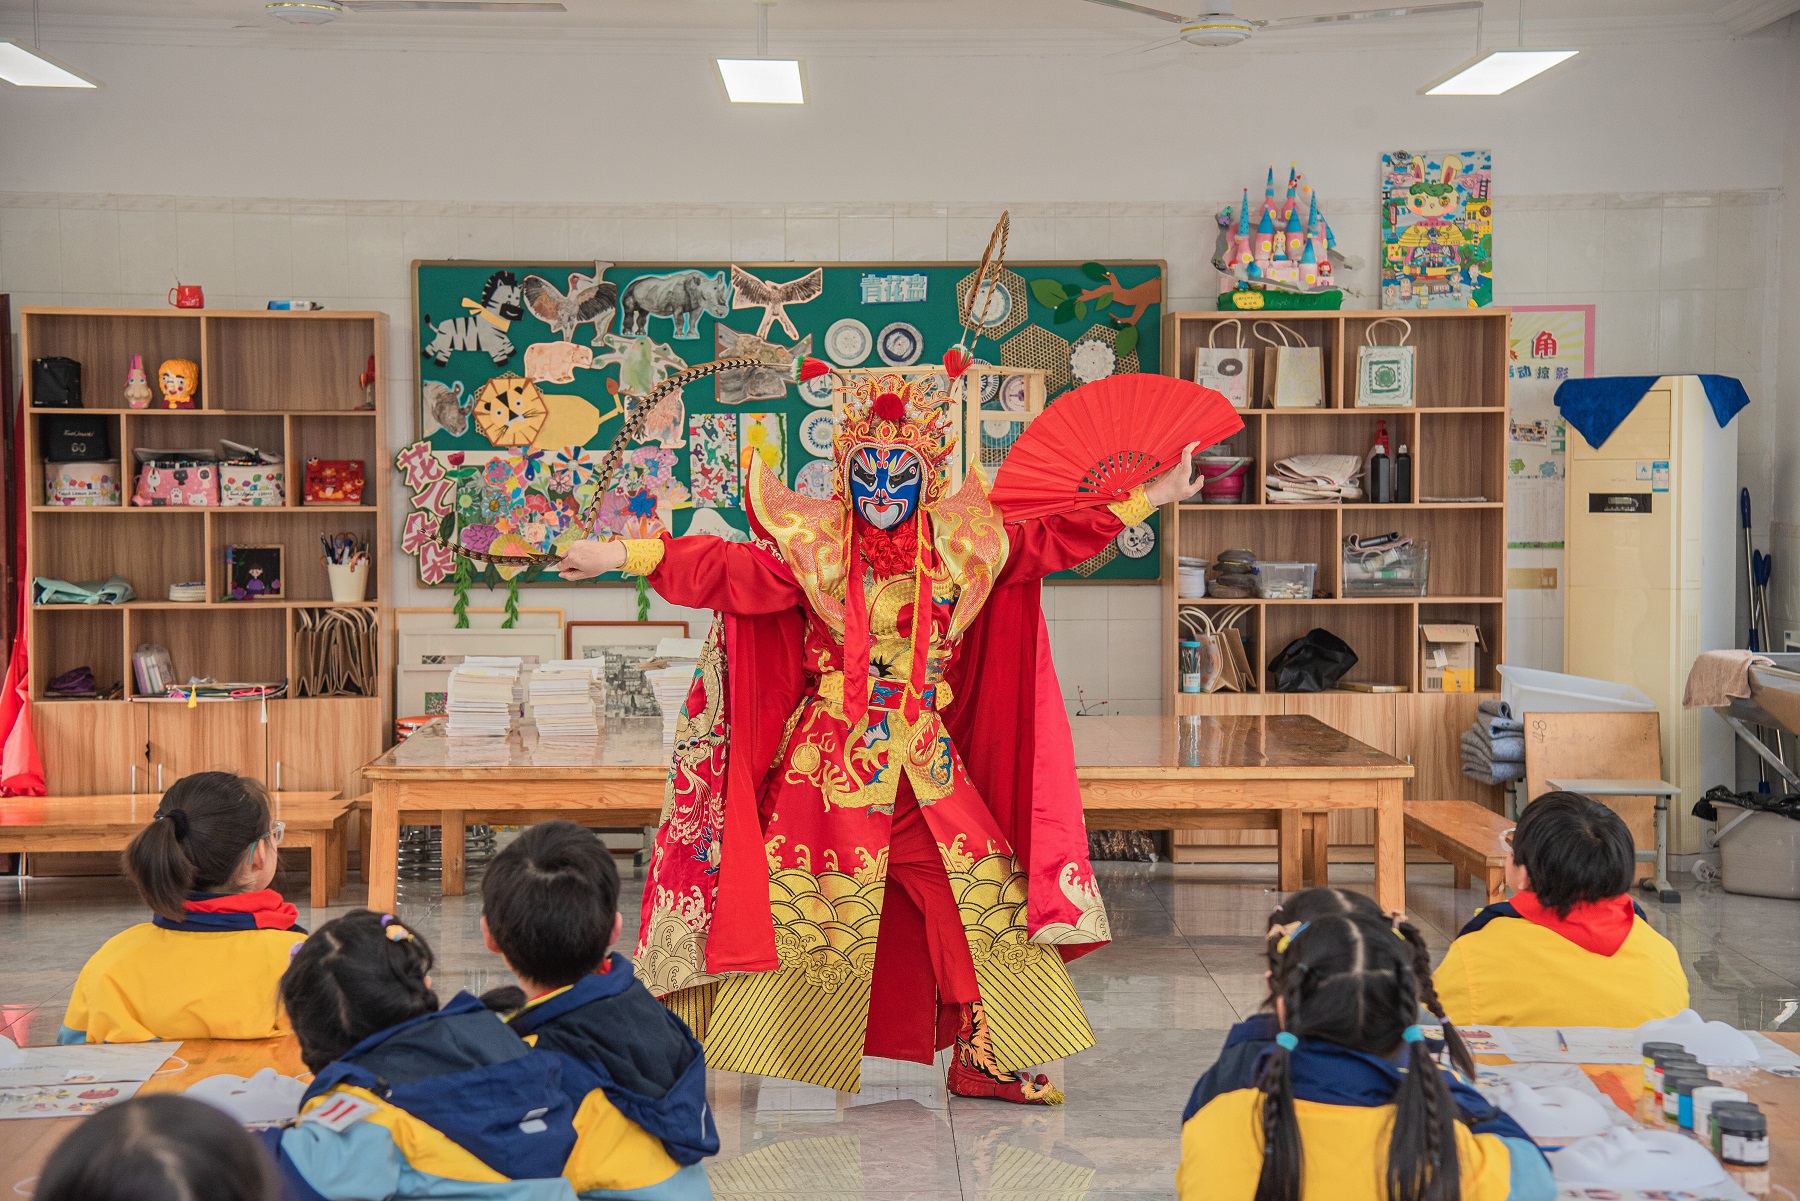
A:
187,296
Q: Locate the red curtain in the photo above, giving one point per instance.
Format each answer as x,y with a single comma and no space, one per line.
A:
21,770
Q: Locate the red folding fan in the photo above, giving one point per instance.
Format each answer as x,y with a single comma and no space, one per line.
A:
1095,444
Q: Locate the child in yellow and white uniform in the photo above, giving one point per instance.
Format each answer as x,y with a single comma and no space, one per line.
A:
207,963
1570,948
1349,1105
409,1100
634,1073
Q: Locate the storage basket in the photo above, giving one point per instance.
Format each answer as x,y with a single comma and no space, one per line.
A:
1403,570
250,477
81,485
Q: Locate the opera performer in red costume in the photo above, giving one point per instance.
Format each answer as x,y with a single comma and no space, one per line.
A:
872,839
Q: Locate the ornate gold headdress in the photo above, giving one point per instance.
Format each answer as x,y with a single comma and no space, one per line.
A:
892,410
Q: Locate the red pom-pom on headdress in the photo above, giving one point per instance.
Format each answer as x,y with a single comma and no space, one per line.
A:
888,407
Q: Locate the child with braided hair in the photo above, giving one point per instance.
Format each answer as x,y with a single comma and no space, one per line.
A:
1348,1103
1248,1040
409,1100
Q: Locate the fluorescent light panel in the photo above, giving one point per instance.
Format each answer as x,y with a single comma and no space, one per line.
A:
762,80
1495,72
28,67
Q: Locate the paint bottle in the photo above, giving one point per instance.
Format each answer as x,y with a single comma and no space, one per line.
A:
1705,1099
1665,1060
1650,1051
1685,1084
1716,1126
1403,493
1744,1148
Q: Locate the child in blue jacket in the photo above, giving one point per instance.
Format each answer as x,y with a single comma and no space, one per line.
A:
1348,1103
634,1075
409,1100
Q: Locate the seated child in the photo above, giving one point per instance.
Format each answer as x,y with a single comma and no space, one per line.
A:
1348,1104
409,1100
1571,948
149,1148
206,964
1249,1040
630,1067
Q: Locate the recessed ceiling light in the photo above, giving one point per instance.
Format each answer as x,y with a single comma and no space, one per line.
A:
1495,72
762,80
28,67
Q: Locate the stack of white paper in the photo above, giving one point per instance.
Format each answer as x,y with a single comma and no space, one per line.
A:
565,698
486,697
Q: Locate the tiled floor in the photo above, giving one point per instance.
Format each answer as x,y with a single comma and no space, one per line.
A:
1184,966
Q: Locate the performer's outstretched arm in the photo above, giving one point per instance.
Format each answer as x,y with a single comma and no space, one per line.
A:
1042,545
698,570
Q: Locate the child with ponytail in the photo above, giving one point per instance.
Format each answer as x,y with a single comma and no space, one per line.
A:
206,964
407,1099
1349,1104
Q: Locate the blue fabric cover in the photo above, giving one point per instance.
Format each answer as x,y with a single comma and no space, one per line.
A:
1595,407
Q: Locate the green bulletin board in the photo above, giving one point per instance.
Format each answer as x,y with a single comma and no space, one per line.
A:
514,456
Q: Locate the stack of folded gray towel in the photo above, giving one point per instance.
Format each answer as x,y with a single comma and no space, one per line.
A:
1493,750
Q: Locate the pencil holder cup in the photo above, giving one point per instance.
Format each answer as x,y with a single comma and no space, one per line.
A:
348,581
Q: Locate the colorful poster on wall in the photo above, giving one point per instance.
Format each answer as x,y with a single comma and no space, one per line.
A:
1437,221
1550,343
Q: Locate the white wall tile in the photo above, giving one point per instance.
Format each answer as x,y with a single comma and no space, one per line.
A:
648,239
30,250
703,239
1575,238
1738,332
1083,601
758,239
1080,237
1685,333
1133,602
1689,248
148,252
90,250
1031,238
1134,665
1745,250
430,236
1080,651
811,239
969,236
867,239
541,239
1631,253
263,250
484,237
1188,247
378,258
1625,334
1521,250
591,238
321,255
1137,237
205,253
921,239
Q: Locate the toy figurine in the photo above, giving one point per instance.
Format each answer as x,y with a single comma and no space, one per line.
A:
180,382
137,387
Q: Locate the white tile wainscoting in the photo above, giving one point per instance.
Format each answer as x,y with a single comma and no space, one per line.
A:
1683,282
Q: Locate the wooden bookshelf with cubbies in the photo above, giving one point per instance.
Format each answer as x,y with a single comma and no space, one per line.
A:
293,383
1456,433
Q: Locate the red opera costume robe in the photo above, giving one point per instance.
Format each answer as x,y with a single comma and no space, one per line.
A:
819,892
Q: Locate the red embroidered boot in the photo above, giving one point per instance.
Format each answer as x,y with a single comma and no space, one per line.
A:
973,1072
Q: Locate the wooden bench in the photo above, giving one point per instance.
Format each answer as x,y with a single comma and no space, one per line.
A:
317,821
1465,833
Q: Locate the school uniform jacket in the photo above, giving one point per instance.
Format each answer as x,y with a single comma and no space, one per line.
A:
212,975
1248,1042
1345,1109
637,1080
449,1105
1519,964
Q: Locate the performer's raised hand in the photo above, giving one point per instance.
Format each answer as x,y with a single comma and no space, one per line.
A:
595,556
1178,483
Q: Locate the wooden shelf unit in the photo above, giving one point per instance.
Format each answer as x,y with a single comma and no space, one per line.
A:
283,382
1457,434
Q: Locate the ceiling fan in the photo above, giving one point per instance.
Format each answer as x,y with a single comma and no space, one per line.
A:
1219,26
319,12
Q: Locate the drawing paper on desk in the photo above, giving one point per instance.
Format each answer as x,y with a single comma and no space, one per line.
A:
110,1063
1574,1044
1771,1055
1481,1040
64,1100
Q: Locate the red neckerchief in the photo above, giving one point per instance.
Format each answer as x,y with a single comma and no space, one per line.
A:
265,905
1597,926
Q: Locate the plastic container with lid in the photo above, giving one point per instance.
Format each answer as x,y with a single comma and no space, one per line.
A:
1744,1137
1285,581
1662,1061
1683,1095
1650,1051
1717,1116
1705,1099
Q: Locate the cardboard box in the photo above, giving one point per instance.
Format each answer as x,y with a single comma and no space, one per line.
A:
1447,657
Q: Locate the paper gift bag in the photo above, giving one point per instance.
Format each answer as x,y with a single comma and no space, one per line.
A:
1293,373
1384,374
1227,369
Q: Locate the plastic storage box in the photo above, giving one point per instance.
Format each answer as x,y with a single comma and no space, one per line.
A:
1760,856
1285,581
1529,690
1396,571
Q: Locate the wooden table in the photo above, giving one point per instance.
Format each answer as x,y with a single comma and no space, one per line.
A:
40,825
26,1143
1176,773
1135,772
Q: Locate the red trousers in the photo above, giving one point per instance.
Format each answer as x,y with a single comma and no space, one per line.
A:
911,1016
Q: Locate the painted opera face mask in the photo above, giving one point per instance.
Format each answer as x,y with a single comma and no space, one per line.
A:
885,482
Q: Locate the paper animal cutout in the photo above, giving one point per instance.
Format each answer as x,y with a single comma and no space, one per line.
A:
512,411
446,404
644,363
484,329
590,300
749,292
708,521
681,296
555,362
755,383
